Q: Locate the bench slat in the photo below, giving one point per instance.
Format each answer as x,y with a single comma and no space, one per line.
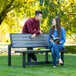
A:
31,45
31,51
30,42
34,39
24,40
36,51
19,35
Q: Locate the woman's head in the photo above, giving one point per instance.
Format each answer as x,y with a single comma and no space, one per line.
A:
56,24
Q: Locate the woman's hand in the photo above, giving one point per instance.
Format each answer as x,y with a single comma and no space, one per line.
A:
57,42
60,42
51,41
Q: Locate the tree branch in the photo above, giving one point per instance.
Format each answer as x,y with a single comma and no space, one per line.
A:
8,8
5,10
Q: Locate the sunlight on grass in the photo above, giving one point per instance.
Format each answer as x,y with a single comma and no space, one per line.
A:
3,55
69,68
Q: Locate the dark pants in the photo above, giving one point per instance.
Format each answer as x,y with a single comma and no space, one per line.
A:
33,56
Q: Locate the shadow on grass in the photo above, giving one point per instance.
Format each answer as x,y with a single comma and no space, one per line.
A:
71,49
16,60
69,69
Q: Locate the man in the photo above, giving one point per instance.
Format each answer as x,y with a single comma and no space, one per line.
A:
32,26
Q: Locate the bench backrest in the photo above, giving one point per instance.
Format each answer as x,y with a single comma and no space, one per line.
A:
19,40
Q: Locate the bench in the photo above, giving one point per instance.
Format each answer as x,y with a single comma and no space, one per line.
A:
19,40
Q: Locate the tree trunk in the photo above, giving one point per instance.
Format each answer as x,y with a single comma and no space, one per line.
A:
3,14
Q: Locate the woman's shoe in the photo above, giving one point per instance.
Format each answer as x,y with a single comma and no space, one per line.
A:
60,61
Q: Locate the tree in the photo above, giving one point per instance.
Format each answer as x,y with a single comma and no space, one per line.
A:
8,5
13,11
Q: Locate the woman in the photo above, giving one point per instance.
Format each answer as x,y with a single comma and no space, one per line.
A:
57,32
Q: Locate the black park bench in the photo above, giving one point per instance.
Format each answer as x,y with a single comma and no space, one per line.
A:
19,40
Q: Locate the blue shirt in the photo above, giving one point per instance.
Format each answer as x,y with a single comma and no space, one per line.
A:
62,38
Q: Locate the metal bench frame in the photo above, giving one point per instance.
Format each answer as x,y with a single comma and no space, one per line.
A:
17,38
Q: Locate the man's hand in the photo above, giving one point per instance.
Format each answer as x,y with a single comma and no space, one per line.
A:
33,36
40,32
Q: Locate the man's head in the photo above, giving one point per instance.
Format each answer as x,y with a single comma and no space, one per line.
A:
38,15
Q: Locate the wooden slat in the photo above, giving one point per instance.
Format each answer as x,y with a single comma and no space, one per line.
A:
40,45
29,39
31,51
24,40
28,35
30,42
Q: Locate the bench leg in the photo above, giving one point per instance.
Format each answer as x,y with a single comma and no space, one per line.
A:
62,57
28,58
46,57
9,55
24,61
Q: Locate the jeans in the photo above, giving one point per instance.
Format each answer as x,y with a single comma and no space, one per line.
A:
55,51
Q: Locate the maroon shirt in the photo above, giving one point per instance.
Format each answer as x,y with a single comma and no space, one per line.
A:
31,26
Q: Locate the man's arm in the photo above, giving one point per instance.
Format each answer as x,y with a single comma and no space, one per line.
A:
31,30
24,29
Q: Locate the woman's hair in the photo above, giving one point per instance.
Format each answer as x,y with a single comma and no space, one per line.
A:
58,26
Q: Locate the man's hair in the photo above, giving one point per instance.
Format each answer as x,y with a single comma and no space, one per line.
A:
38,12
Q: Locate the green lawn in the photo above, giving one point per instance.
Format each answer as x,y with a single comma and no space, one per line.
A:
69,69
71,49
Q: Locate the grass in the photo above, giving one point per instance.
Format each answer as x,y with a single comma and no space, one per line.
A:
71,49
69,69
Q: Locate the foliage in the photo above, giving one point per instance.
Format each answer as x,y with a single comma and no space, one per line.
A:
14,12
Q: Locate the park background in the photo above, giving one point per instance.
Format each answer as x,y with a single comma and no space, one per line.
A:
14,13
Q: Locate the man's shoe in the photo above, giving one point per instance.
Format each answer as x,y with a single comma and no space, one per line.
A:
35,60
54,66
